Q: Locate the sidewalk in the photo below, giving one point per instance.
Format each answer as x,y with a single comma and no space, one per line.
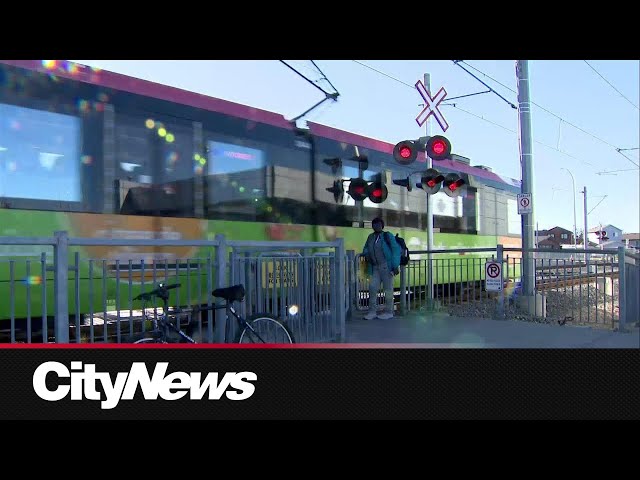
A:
440,330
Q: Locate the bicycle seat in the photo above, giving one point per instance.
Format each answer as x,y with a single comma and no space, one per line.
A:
231,294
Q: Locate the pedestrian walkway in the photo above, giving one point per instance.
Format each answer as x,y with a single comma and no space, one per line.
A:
440,330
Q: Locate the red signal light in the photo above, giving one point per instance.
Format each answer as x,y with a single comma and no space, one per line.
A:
377,192
431,181
358,189
453,184
405,152
438,147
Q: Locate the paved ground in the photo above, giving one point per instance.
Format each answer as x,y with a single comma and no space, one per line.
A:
443,331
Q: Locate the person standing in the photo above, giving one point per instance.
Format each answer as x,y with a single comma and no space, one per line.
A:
382,254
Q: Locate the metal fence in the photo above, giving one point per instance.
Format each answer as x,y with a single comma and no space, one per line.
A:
583,287
61,291
68,295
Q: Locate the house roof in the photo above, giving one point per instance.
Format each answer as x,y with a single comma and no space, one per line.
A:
560,228
546,231
604,227
631,236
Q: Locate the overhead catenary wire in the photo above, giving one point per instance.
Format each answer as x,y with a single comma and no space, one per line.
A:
551,113
471,113
611,85
497,124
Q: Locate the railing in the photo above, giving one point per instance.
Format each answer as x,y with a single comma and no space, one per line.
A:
579,287
83,295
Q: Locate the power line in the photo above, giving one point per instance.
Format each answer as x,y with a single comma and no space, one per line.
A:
611,85
619,150
511,104
473,114
385,74
515,132
545,109
597,205
607,172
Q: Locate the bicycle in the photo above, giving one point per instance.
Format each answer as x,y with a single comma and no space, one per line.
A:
247,333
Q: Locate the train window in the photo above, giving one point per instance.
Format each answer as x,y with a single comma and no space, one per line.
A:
40,155
48,145
155,166
236,180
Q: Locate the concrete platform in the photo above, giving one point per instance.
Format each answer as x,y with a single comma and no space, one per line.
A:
439,330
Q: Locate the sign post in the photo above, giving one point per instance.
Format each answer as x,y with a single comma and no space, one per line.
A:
430,108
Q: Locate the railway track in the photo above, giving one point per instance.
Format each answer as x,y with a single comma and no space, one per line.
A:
558,283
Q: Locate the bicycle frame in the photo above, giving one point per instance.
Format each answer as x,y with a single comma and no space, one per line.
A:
160,322
242,323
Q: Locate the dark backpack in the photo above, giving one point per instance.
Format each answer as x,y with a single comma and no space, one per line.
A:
404,251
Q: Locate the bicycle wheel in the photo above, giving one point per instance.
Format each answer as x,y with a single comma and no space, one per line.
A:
148,340
262,328
148,337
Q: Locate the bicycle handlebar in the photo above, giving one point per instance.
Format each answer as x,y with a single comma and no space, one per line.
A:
161,292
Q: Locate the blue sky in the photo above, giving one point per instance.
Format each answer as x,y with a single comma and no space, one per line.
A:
374,105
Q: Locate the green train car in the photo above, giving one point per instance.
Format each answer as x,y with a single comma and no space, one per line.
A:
100,154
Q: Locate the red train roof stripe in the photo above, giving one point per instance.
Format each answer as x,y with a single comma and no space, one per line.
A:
147,88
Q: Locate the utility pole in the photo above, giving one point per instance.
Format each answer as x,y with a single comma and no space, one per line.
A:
427,84
585,241
575,231
526,160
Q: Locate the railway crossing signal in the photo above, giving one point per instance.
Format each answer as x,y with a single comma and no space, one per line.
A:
377,192
453,184
431,181
359,189
437,147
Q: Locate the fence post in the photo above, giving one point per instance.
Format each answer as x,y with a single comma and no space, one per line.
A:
338,289
351,279
403,290
61,286
500,260
219,332
622,297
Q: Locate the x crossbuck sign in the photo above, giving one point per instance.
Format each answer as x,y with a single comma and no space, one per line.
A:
431,106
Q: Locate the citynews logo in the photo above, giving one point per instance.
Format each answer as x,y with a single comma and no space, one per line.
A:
173,386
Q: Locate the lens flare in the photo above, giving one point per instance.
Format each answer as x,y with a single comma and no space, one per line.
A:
33,280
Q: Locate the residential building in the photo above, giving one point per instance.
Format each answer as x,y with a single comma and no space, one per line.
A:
554,237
